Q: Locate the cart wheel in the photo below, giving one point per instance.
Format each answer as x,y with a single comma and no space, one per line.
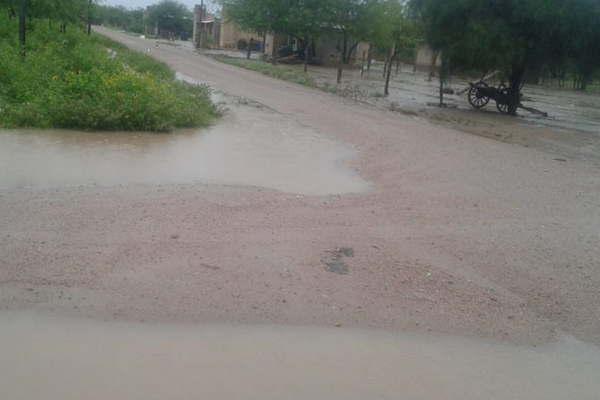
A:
476,99
502,107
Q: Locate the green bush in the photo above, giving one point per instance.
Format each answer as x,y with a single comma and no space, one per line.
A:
71,80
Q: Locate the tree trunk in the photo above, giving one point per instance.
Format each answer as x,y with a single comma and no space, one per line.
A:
369,58
249,50
397,65
306,54
22,25
388,73
441,91
89,18
434,58
442,76
342,60
516,78
362,64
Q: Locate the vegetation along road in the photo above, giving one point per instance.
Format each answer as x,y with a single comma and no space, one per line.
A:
452,233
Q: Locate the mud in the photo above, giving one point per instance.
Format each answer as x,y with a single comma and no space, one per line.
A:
63,359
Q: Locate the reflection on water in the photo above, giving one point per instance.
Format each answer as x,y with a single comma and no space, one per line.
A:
265,150
63,359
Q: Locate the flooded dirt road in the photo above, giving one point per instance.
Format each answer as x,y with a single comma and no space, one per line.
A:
325,213
64,359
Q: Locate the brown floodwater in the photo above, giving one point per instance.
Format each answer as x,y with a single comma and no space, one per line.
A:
250,146
56,358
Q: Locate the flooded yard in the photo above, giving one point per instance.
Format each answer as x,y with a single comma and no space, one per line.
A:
413,91
570,129
251,146
61,359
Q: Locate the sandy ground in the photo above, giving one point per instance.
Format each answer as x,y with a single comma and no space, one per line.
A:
458,234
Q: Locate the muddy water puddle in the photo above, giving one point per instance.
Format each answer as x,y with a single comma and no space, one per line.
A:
250,146
60,359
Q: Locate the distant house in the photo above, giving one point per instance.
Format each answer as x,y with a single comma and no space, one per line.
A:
427,59
211,31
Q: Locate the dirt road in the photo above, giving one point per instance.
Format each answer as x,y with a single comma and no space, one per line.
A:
457,234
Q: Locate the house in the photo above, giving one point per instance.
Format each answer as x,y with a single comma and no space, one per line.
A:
211,31
427,59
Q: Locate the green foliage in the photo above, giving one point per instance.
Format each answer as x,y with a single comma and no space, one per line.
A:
71,80
282,72
120,17
261,16
512,35
172,17
396,29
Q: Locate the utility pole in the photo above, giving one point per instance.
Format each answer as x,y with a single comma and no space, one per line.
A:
200,27
22,27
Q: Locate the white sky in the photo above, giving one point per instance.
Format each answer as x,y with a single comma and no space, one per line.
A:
144,3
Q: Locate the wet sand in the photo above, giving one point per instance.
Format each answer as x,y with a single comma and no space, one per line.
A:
63,359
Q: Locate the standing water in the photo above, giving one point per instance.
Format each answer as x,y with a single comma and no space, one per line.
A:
264,150
63,359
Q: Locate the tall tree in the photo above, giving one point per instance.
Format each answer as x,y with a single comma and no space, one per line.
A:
352,21
172,17
395,33
306,21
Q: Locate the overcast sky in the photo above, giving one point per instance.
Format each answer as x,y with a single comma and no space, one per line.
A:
144,3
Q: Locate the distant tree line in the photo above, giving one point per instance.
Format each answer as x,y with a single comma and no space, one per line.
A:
57,12
168,17
131,20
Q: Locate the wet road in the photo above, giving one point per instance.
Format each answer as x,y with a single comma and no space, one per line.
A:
456,234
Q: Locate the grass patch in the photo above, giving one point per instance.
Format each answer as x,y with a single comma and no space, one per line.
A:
71,80
279,71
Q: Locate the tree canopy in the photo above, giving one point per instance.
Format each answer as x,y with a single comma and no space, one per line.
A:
513,36
351,20
171,16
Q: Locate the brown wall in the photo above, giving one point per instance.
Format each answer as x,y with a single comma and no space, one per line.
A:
231,34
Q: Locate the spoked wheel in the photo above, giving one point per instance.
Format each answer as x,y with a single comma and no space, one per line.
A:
504,108
476,99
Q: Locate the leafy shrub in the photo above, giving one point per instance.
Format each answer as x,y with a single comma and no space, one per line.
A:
70,80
